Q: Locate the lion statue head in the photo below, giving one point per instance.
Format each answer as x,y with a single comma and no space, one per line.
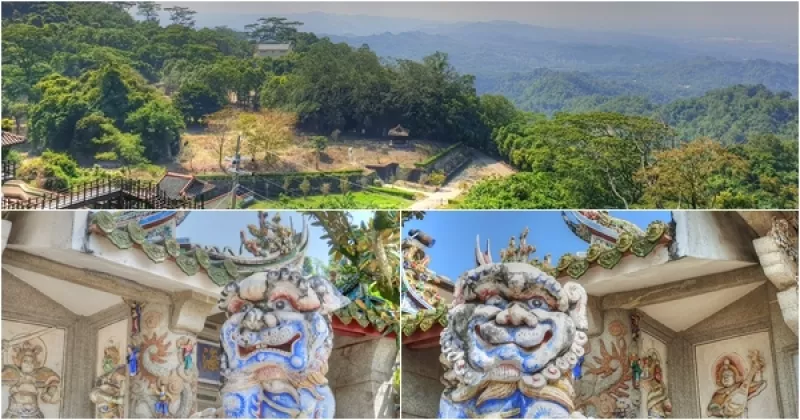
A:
276,343
514,336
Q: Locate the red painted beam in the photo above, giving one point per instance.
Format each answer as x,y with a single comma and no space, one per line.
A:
353,329
422,337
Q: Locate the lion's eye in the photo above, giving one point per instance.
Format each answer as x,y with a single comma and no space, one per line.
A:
281,305
538,302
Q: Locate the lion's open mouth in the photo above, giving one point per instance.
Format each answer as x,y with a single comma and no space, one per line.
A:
285,347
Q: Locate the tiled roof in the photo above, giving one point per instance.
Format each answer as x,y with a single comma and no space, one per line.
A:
273,47
11,139
177,185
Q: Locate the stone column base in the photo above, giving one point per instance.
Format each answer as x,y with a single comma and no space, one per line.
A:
787,300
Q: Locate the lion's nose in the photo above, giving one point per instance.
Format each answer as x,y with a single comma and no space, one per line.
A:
515,315
271,320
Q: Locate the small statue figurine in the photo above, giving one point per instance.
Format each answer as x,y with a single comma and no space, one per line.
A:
133,360
636,369
635,326
577,371
162,405
187,348
136,316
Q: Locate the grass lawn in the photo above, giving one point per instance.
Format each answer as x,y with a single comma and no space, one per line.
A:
360,200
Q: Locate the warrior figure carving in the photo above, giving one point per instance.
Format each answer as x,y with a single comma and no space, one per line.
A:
514,337
30,381
735,386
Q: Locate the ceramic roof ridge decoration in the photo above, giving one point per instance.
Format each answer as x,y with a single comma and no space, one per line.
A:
421,306
272,247
598,226
513,337
608,256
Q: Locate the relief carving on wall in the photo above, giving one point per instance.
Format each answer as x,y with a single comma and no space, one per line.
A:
163,379
108,393
606,387
736,385
654,389
30,382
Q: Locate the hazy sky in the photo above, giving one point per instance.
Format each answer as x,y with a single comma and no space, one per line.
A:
749,20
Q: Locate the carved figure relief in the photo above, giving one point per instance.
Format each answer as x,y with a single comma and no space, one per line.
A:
513,338
31,382
654,389
161,384
606,389
108,393
735,378
110,386
736,384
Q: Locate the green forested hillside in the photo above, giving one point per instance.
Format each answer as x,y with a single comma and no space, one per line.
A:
729,114
733,114
88,80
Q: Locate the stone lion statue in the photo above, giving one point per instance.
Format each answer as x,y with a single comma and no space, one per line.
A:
514,336
276,343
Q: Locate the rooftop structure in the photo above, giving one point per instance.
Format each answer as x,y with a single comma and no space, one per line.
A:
11,139
272,50
178,186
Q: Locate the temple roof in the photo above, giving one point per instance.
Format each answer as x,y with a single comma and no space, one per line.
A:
399,131
270,246
11,139
177,185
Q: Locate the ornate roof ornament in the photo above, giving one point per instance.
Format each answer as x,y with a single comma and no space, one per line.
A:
597,226
273,246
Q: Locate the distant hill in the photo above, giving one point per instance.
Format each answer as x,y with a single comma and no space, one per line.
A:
548,91
733,114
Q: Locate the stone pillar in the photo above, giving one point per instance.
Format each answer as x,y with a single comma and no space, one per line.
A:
161,335
6,230
781,270
358,376
421,382
682,382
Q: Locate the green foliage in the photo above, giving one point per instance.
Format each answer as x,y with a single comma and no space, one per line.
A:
408,195
436,157
196,100
57,172
159,125
733,114
437,178
305,186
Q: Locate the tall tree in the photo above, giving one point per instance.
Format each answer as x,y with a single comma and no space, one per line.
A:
272,29
148,10
692,175
183,16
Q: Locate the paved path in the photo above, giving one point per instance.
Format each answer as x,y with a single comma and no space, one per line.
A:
482,166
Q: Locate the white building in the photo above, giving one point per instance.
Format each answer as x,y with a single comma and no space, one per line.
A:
272,50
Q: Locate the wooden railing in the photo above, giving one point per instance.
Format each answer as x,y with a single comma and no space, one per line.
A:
9,170
109,194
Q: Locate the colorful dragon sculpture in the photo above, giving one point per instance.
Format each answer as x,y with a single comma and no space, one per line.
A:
513,337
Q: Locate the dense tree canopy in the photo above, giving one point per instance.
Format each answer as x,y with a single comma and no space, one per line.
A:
90,80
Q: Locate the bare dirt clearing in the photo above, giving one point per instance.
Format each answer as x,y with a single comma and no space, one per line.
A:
301,155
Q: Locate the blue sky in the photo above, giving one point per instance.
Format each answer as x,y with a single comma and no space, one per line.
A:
221,228
455,233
